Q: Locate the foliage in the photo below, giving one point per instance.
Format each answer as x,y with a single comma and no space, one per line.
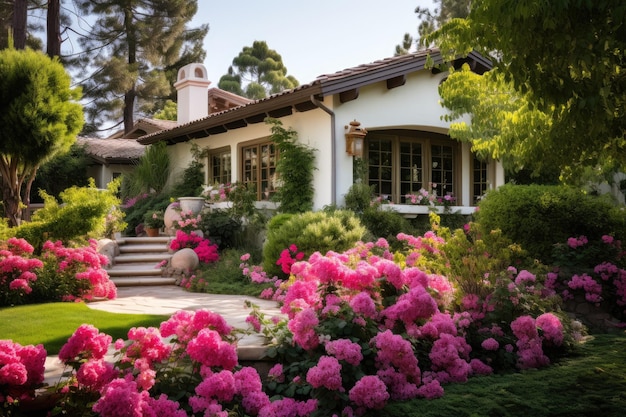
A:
151,173
222,277
538,217
256,72
311,231
359,197
581,78
594,269
153,219
83,212
63,171
223,227
190,183
135,208
132,54
40,118
385,224
498,117
294,169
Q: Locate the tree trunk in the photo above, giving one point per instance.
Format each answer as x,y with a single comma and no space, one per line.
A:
53,31
11,202
19,24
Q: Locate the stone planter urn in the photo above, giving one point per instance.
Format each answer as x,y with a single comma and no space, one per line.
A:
192,204
171,216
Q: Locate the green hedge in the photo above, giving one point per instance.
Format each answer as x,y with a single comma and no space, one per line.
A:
539,216
310,232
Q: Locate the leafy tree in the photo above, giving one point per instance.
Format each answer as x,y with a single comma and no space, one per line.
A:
61,172
133,48
565,58
40,118
256,72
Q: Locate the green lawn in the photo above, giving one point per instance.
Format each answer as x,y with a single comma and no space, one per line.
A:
53,323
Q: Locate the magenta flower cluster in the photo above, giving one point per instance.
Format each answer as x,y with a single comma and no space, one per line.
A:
18,270
21,371
604,282
206,251
73,273
84,264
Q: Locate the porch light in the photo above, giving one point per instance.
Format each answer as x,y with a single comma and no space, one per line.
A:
355,136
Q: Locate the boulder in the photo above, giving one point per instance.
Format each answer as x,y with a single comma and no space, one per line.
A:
185,259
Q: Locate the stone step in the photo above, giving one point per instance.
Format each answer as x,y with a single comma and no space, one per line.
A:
138,257
144,248
138,260
142,281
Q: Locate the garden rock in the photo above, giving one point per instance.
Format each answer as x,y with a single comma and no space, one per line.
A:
108,248
185,259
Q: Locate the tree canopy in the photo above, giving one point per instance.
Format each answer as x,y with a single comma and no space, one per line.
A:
40,117
256,72
564,59
133,54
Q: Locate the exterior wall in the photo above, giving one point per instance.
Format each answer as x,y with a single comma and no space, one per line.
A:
414,106
103,174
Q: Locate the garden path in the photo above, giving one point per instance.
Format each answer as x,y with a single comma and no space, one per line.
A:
167,299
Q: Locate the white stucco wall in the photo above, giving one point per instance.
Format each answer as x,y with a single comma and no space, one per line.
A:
414,105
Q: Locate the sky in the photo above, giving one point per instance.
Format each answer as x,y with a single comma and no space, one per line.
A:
314,37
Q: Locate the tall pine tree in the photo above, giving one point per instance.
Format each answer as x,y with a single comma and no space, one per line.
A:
132,54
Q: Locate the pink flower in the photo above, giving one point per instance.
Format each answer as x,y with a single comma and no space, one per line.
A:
303,328
431,390
346,350
95,374
85,343
551,327
327,373
490,344
369,392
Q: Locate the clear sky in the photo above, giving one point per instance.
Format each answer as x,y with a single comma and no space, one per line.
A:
314,37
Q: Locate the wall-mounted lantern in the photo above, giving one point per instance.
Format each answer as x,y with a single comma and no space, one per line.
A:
355,136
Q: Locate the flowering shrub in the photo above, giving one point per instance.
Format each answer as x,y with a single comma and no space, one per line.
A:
74,274
62,273
362,327
595,270
207,252
21,372
188,221
218,192
18,271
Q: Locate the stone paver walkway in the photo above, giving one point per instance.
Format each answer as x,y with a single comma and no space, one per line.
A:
167,300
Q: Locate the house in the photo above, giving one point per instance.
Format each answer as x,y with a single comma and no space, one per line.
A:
393,103
119,153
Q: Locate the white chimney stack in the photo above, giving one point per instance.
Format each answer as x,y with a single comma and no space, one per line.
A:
192,85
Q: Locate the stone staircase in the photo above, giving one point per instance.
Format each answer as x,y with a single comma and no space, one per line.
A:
136,263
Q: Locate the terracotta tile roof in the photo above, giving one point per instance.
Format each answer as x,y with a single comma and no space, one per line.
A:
303,97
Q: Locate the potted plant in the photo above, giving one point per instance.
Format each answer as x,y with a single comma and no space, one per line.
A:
153,222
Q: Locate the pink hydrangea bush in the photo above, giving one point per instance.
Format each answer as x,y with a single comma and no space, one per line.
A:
18,271
21,373
593,270
59,274
78,273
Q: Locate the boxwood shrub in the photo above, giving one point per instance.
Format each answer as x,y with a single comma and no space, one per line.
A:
320,231
539,216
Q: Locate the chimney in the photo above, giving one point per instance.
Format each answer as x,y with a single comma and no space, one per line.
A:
192,86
